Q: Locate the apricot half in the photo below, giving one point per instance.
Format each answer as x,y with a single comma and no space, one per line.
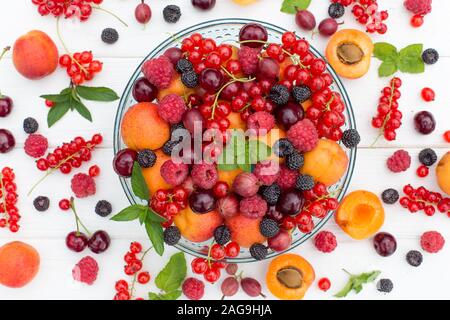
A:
289,276
360,214
443,173
349,52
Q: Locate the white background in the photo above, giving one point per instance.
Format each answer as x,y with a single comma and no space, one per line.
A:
46,231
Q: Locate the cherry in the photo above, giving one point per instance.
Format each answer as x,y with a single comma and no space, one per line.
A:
6,105
428,94
143,13
211,80
204,4
221,189
144,91
290,203
7,141
99,242
230,91
424,122
123,162
280,242
385,244
76,241
202,201
193,118
253,31
268,69
289,114
174,54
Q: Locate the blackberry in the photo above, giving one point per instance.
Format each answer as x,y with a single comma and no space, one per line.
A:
190,79
351,138
295,161
222,235
184,65
258,251
270,193
172,235
269,228
146,158
304,182
279,94
103,208
301,93
30,125
414,258
110,36
336,10
282,148
172,13
430,56
168,147
385,285
390,196
428,157
41,203
176,126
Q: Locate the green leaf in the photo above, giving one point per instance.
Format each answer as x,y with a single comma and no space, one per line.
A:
172,276
227,167
143,216
138,184
346,290
154,296
152,216
356,282
130,213
174,295
155,234
291,6
56,97
97,93
384,51
247,167
57,112
81,108
410,59
386,69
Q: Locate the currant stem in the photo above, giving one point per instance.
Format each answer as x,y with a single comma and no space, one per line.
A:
387,117
111,13
2,188
133,282
77,218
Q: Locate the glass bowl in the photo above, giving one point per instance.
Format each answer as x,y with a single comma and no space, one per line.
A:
227,30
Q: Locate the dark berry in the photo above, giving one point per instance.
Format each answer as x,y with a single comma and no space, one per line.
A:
304,182
270,193
279,94
103,208
172,13
430,56
176,126
290,203
269,228
282,148
30,125
41,203
414,258
385,285
172,235
146,158
336,10
424,122
351,138
202,201
301,93
110,36
390,196
428,157
295,161
99,242
168,147
258,251
222,235
189,79
184,65
385,244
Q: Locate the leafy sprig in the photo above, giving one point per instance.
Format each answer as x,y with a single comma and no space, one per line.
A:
408,59
291,6
355,283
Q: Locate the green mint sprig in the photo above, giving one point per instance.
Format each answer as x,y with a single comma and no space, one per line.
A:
355,283
291,6
408,59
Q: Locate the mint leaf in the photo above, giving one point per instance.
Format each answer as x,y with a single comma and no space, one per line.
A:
174,295
82,110
97,93
356,282
172,276
155,234
138,184
57,112
154,296
387,68
291,6
346,290
55,97
152,216
227,167
384,51
410,59
130,213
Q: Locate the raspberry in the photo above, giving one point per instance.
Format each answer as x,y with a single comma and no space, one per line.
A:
421,7
267,172
172,235
261,121
432,241
171,108
193,289
36,145
30,125
295,161
174,173
86,270
287,178
269,228
428,157
204,175
303,135
325,241
159,71
83,185
222,235
271,193
249,59
103,208
399,161
258,251
253,207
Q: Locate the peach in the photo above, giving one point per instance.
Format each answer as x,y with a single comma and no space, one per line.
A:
152,175
35,55
197,227
176,87
245,231
142,128
19,264
443,173
326,163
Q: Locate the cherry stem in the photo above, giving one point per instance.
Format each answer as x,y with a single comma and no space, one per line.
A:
77,218
386,118
111,13
133,282
6,49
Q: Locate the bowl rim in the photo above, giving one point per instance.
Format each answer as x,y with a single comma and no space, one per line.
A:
208,24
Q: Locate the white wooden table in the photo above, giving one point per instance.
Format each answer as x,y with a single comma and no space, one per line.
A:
46,231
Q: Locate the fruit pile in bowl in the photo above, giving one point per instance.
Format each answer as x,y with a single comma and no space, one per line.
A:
244,136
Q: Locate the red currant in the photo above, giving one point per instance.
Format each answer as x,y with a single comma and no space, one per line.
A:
217,252
324,284
135,247
199,265
143,277
64,204
232,249
428,94
422,171
417,20
121,285
447,136
94,171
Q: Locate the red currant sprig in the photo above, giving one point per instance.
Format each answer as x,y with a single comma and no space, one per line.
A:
9,214
80,66
421,199
168,203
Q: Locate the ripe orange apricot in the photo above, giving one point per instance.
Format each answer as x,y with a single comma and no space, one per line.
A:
245,231
197,227
175,87
443,173
289,276
152,175
360,214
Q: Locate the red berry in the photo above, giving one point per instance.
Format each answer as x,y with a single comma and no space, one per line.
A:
97,139
217,252
199,265
232,249
416,20
324,284
422,171
288,39
221,189
447,136
212,275
143,277
94,171
135,247
428,94
121,285
64,204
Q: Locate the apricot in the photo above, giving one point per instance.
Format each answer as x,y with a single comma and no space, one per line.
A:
289,276
152,175
142,128
245,231
349,52
236,121
443,173
229,176
326,163
35,55
19,264
360,214
175,87
197,227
